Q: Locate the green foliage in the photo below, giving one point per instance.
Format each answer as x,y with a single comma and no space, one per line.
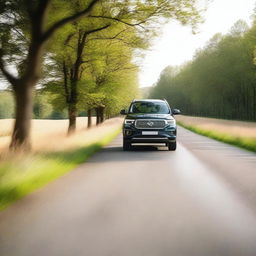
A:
219,82
6,105
107,74
42,108
114,75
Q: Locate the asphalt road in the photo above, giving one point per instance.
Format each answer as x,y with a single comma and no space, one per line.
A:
197,201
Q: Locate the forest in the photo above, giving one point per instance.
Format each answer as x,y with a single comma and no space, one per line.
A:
220,81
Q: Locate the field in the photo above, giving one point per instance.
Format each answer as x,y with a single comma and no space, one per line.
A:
46,133
239,133
53,154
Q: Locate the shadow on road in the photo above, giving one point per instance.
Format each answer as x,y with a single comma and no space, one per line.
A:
138,153
134,148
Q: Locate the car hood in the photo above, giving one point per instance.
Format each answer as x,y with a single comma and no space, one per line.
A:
149,116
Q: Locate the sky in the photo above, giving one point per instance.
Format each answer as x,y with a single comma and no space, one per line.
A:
177,44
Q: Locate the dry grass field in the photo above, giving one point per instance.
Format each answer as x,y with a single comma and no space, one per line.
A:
51,135
238,133
234,128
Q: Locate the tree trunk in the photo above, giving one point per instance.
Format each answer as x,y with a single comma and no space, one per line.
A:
101,114
23,90
72,113
89,116
24,105
97,116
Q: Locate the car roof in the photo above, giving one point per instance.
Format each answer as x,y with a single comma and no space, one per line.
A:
148,100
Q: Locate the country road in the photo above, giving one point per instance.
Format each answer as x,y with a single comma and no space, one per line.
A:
197,201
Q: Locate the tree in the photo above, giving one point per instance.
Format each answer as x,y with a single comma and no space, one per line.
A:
73,71
220,81
32,15
105,60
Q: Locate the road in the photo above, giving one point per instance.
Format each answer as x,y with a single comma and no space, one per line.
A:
197,201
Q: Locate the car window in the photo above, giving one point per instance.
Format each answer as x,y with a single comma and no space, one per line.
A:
149,108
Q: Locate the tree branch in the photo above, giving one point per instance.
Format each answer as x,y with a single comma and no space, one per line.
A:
65,74
97,29
66,20
10,78
88,61
42,7
119,20
29,9
69,37
109,38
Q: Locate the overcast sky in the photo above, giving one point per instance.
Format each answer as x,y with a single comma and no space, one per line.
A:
177,44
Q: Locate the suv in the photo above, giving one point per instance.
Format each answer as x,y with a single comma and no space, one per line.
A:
149,121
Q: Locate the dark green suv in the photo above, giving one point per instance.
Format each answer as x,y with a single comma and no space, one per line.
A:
149,121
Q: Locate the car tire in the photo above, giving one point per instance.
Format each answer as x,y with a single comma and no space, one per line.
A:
172,146
127,145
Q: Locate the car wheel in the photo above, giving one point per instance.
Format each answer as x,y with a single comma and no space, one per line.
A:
172,146
127,145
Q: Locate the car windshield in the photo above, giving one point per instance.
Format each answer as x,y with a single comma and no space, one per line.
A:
147,107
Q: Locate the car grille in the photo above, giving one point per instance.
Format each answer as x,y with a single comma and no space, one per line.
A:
150,124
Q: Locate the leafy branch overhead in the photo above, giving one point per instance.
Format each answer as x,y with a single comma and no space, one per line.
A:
33,13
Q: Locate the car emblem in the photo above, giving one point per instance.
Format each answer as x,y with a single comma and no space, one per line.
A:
150,124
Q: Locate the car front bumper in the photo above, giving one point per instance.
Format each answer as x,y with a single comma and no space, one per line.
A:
134,135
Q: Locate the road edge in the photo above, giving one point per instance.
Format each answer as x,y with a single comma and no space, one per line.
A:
241,142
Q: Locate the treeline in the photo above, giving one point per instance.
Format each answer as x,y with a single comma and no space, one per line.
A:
42,107
80,52
219,82
6,105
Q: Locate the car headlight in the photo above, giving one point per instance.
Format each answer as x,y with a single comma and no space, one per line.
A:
129,121
171,122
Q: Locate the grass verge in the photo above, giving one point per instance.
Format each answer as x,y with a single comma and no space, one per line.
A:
20,177
242,142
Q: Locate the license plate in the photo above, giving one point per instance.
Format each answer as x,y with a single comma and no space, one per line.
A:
149,133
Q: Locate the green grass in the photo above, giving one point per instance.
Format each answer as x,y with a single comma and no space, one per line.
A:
25,175
242,142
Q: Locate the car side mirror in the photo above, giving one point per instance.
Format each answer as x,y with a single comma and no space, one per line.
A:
123,112
176,111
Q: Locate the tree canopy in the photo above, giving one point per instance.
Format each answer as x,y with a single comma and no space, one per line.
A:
219,82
